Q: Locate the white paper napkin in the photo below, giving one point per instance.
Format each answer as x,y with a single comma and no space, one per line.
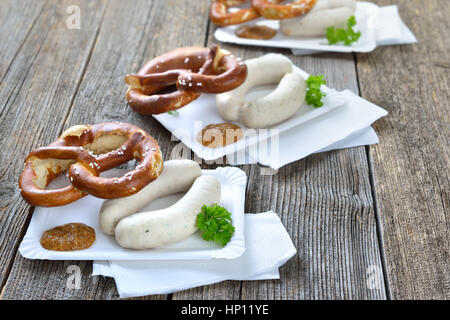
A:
344,127
268,246
390,30
363,137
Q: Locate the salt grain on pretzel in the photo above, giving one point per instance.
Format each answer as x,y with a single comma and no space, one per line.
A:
74,150
216,71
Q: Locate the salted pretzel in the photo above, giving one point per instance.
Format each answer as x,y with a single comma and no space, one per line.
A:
271,9
220,15
85,151
193,70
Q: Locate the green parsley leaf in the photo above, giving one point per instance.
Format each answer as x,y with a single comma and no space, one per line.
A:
173,112
313,93
346,36
215,222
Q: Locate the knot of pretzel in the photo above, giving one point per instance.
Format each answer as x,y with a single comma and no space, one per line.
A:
270,9
188,72
85,151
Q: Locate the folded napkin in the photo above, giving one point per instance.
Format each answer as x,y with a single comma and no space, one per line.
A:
390,30
343,127
268,246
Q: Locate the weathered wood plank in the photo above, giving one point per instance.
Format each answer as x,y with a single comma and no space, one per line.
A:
326,206
325,202
128,36
35,97
411,165
17,19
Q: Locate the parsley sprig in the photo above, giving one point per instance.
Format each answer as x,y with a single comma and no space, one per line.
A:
215,222
173,112
313,93
346,35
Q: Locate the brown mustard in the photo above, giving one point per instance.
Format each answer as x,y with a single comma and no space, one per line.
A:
256,32
219,135
68,237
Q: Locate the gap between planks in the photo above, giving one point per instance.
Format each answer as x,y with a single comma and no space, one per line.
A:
378,221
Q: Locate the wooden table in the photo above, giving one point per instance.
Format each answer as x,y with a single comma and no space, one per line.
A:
368,222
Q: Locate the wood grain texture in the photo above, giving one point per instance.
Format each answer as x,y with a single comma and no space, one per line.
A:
325,202
127,37
326,205
36,94
411,165
12,15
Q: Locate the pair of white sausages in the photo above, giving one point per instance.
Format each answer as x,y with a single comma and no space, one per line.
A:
276,107
325,14
153,229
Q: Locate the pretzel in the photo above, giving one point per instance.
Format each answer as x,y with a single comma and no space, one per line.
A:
231,3
219,14
193,70
85,151
270,9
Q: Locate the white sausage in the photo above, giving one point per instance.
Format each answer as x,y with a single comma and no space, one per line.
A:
177,176
332,4
153,229
279,105
325,14
264,70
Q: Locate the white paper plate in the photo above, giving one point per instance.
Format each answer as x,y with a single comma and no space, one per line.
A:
85,210
366,16
202,112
